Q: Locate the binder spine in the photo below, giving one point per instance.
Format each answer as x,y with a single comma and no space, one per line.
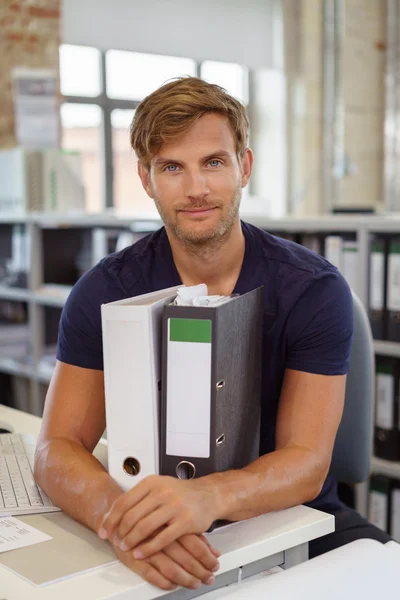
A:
233,381
387,435
393,290
176,436
377,292
379,502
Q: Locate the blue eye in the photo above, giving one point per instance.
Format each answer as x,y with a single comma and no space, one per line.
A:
214,161
171,168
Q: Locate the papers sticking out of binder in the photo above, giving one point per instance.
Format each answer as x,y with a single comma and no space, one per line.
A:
210,402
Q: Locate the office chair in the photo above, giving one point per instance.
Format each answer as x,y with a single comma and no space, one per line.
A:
353,444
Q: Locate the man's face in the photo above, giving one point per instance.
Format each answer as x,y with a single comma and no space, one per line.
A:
196,181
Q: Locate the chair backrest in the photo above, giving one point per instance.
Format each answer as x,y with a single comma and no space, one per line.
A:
352,450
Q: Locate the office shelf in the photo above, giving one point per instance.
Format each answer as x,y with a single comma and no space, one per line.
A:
86,239
385,467
13,293
387,348
44,372
15,367
52,295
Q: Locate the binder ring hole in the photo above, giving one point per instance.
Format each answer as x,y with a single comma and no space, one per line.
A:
220,384
185,470
220,439
131,466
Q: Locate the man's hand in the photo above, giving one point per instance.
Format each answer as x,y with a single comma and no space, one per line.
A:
188,562
171,507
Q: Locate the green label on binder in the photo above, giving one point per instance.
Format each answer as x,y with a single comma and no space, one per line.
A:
190,330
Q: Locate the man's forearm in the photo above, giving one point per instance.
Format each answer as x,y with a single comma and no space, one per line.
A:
75,481
278,480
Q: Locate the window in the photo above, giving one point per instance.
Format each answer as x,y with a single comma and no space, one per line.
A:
230,76
81,130
129,194
133,76
80,71
96,121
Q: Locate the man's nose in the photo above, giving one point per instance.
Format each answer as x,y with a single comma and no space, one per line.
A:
196,185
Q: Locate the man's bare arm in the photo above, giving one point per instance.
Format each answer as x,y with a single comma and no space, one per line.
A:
310,410
73,421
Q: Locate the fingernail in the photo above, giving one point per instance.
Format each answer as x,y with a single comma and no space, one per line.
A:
137,554
211,580
196,585
215,568
123,546
116,541
102,533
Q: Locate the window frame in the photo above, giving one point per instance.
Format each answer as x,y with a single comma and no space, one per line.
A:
107,105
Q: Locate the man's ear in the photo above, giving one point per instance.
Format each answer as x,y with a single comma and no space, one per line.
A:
247,166
144,175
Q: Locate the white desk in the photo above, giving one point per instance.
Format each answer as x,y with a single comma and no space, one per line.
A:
269,540
363,569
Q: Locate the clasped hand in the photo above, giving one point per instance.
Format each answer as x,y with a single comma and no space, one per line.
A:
171,507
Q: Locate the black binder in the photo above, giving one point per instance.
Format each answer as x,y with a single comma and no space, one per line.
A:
230,380
393,290
377,287
387,435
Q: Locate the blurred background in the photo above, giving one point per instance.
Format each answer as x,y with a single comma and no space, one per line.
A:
321,81
319,78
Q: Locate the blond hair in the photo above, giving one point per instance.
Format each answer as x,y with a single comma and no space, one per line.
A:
174,107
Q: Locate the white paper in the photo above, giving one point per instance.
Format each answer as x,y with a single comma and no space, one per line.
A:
185,294
17,534
36,108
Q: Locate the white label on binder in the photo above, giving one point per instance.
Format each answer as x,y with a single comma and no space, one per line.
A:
395,525
394,281
376,282
378,507
384,400
188,398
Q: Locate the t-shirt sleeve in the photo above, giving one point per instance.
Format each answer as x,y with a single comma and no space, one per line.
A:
79,332
320,327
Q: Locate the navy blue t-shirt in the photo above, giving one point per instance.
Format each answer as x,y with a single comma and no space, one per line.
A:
308,313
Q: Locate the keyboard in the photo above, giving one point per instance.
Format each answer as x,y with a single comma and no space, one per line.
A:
19,494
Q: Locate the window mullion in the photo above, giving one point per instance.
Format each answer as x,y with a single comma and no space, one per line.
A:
107,140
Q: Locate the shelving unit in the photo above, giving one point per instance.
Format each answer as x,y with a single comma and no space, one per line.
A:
55,239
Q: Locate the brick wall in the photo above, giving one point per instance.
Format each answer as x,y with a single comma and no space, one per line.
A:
29,37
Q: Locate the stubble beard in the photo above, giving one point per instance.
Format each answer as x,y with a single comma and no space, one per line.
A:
197,240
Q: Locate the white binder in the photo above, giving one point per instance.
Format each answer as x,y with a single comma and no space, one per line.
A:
132,373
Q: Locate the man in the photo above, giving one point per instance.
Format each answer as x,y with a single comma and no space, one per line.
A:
191,141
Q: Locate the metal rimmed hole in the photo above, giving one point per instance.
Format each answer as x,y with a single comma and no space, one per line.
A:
131,466
220,440
220,384
185,470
